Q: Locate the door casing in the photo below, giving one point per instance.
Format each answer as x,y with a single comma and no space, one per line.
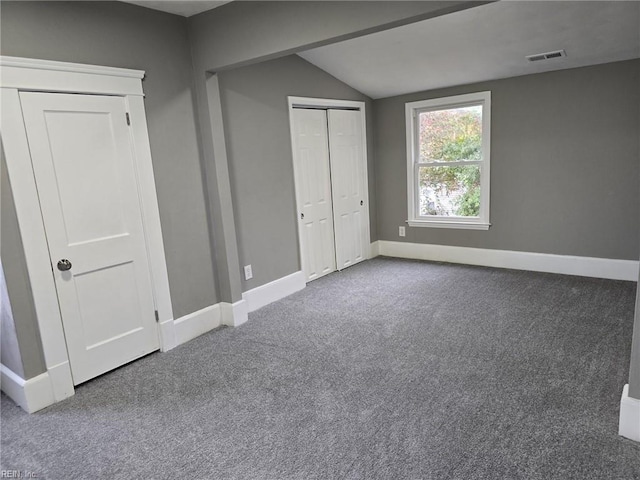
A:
89,198
325,103
25,74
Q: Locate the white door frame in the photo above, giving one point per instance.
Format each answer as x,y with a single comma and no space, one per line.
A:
25,74
302,102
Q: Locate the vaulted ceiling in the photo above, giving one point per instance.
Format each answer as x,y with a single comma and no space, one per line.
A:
483,43
185,8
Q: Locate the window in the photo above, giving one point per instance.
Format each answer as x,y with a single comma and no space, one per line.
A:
448,161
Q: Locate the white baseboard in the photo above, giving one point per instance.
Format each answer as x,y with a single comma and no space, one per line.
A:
265,294
629,416
536,262
61,381
234,314
374,250
195,324
32,395
167,335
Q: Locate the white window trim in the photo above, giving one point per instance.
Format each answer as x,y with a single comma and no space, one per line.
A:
411,108
19,74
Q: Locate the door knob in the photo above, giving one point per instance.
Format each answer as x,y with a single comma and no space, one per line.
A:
302,216
64,265
361,202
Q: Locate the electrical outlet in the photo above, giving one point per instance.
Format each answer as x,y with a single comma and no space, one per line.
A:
248,273
402,232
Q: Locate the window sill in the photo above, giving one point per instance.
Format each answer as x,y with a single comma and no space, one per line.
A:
440,224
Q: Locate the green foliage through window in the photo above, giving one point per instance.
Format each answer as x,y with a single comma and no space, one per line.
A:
452,135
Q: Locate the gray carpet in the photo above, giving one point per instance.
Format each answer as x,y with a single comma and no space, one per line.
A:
391,369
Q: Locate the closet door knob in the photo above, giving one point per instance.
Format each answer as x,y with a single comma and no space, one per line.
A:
64,265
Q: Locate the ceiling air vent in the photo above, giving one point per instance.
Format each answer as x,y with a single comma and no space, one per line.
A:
546,56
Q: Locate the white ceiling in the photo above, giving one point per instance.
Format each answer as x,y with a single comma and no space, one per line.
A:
186,8
483,43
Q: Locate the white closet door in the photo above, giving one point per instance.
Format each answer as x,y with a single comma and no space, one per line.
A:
349,186
313,185
84,169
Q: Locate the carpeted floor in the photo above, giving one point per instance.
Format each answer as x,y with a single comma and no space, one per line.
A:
392,369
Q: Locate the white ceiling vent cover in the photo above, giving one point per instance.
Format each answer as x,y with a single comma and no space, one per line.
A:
546,56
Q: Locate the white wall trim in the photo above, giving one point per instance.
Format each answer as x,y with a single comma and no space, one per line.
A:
412,110
536,262
18,74
629,416
374,249
452,223
6,61
195,324
270,292
13,386
32,395
312,102
61,381
168,339
234,314
18,159
202,321
150,212
34,74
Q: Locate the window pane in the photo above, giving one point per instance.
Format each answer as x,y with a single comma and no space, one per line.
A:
449,191
451,135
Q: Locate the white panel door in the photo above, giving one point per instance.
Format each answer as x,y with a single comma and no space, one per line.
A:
86,178
348,185
313,185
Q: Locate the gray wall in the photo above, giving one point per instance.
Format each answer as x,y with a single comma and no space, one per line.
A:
564,164
565,194
9,347
256,118
21,346
245,32
121,35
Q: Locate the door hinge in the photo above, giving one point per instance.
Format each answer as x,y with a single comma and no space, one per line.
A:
128,119
157,316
